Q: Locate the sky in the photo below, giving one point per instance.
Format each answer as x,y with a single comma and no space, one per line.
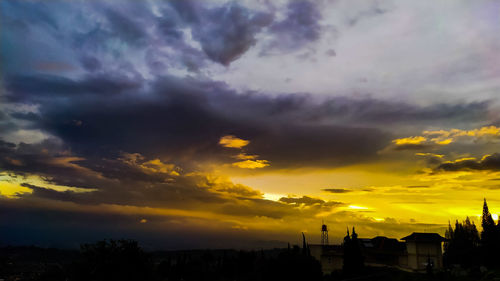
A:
240,124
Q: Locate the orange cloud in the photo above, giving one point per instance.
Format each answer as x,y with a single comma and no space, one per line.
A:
233,142
251,164
243,156
410,141
448,136
156,166
249,161
151,166
430,155
442,142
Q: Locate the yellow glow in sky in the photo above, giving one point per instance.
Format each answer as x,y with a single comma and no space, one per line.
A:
9,189
12,186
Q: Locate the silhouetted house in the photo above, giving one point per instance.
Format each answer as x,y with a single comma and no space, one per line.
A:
384,251
330,256
422,248
414,254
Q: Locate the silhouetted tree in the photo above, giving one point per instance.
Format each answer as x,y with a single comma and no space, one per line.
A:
487,221
490,240
305,247
292,265
353,258
113,260
463,243
286,264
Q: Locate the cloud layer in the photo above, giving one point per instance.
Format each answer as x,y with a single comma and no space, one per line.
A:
136,117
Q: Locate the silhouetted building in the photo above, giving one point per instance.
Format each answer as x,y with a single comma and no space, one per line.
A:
330,256
384,251
423,248
419,252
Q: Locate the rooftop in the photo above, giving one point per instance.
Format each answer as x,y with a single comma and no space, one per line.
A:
424,237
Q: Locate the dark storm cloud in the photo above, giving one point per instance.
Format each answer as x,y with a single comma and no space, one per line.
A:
285,207
337,190
169,28
131,181
30,116
296,146
31,222
232,34
124,199
413,146
6,146
118,184
31,88
48,159
7,127
224,32
123,133
90,63
25,223
189,117
182,119
380,111
117,24
183,193
125,27
300,27
306,200
3,116
431,159
101,35
36,13
137,182
188,10
487,163
47,193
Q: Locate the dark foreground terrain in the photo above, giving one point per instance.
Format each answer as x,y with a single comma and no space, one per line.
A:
125,260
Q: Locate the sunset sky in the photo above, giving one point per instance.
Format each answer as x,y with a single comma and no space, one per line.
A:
218,124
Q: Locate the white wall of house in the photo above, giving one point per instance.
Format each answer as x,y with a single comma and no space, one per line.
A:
420,252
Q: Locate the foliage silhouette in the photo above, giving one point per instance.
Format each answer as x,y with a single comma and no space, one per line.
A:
465,247
490,239
112,260
353,257
463,244
292,265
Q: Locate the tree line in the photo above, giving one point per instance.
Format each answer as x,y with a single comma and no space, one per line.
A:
125,260
468,247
